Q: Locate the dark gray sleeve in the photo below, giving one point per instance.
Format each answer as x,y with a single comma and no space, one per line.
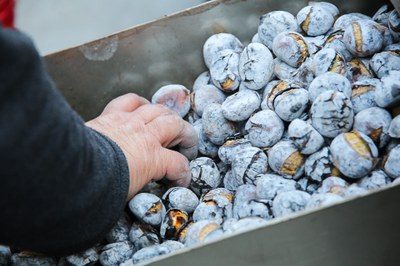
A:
62,185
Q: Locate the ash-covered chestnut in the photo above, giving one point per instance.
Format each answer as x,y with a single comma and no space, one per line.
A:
26,258
120,231
232,147
375,179
289,202
205,146
374,122
175,97
323,200
273,23
264,128
241,105
249,163
357,69
255,66
389,93
87,257
148,208
290,47
215,126
202,80
363,93
288,99
334,185
354,154
331,8
224,70
219,42
319,166
394,24
305,137
334,40
205,175
205,95
315,20
243,224
365,37
201,232
332,113
345,20
328,60
354,190
329,81
391,164
385,61
303,74
394,128
180,198
269,185
5,255
154,251
116,253
285,159
142,235
173,223
216,206
252,208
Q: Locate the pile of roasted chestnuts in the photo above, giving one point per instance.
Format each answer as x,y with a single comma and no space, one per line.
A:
302,116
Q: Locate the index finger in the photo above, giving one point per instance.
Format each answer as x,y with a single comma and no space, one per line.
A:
171,130
125,103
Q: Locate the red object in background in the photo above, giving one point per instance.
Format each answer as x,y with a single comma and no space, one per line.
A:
7,13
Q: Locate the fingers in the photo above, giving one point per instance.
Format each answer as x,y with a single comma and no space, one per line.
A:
175,167
172,130
148,112
125,103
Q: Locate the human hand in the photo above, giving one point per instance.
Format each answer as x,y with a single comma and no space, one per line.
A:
144,132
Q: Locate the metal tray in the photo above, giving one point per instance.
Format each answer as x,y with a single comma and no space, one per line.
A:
360,231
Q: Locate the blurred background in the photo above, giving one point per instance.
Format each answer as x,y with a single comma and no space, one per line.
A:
57,25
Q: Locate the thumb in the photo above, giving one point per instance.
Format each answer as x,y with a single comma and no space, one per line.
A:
174,167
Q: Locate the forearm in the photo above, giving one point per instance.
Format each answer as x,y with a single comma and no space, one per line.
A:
63,185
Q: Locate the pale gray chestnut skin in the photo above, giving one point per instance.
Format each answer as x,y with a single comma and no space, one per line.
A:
319,166
205,175
389,93
354,190
291,48
331,8
358,69
382,15
289,202
364,93
205,95
375,179
285,159
315,20
120,231
315,43
323,200
241,105
181,198
329,81
264,129
303,74
142,235
116,253
394,24
305,137
334,185
269,185
230,182
256,39
248,164
219,42
232,147
392,163
247,204
332,113
203,79
26,259
328,60
175,97
345,20
154,251
224,70
287,98
215,126
255,66
374,122
307,185
201,232
147,208
334,40
364,38
273,23
394,128
385,61
216,205
87,257
354,154
205,146
5,255
242,225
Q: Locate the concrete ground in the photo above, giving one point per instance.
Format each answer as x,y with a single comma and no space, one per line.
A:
57,25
